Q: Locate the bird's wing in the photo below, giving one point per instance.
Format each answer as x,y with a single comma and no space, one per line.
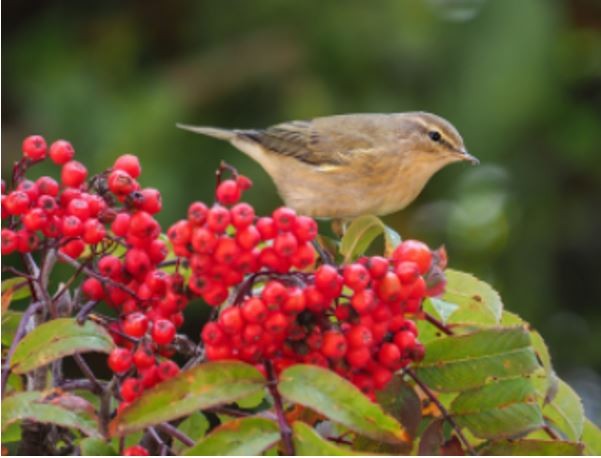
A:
321,142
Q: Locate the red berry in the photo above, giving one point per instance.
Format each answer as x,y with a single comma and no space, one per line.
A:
47,185
231,320
137,262
381,376
121,183
73,174
359,336
212,334
17,203
252,333
276,323
243,182
157,251
242,215
415,251
305,229
151,200
389,288
34,219
72,226
110,266
10,241
327,280
120,360
274,294
285,244
197,213
356,276
363,301
92,288
135,324
407,271
228,192
284,218
334,345
34,147
131,389
378,266
254,310
248,237
304,256
27,241
143,357
266,228
61,151
163,332
226,251
166,370
389,355
130,164
48,204
79,207
73,248
218,218
296,302
135,450
93,231
29,188
405,340
358,357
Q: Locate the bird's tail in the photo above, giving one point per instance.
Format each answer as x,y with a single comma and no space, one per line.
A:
222,134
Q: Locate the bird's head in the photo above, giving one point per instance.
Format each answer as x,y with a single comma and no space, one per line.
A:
435,138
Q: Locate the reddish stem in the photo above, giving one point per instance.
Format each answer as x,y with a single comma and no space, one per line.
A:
285,430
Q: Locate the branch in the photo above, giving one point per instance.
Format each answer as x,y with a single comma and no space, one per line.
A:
285,430
85,310
443,410
168,428
19,334
85,369
438,324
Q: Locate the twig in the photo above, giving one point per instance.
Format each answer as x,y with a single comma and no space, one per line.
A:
442,409
18,273
229,411
85,310
105,407
97,276
19,334
163,447
325,255
168,428
438,324
552,434
285,430
85,369
78,384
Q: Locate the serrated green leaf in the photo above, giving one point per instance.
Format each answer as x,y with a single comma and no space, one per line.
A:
10,323
91,446
338,399
457,363
56,339
478,303
64,410
195,426
565,412
204,386
308,442
498,410
531,447
443,309
362,232
591,437
242,436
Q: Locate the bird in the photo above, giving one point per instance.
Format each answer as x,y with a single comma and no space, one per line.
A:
344,166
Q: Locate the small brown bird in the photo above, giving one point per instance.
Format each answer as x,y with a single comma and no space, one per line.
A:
349,165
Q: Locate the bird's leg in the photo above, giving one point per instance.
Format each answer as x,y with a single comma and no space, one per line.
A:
224,166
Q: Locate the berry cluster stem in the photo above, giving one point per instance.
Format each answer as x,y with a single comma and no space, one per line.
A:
285,430
445,413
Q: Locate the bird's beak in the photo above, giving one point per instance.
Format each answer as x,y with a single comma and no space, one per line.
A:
465,156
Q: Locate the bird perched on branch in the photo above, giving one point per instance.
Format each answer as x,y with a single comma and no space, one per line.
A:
349,165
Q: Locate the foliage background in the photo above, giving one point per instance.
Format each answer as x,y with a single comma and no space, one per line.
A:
521,79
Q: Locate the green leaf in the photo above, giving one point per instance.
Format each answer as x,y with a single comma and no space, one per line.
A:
478,303
338,399
91,446
252,401
308,442
195,426
591,437
565,412
14,289
400,400
12,433
201,387
457,363
443,309
532,447
57,339
362,232
242,436
64,410
10,323
499,409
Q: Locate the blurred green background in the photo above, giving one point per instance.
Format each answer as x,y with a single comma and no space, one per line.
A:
521,79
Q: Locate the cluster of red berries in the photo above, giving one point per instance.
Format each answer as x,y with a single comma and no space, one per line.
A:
226,242
352,319
111,216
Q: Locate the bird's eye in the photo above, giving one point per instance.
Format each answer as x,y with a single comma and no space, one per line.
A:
434,136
